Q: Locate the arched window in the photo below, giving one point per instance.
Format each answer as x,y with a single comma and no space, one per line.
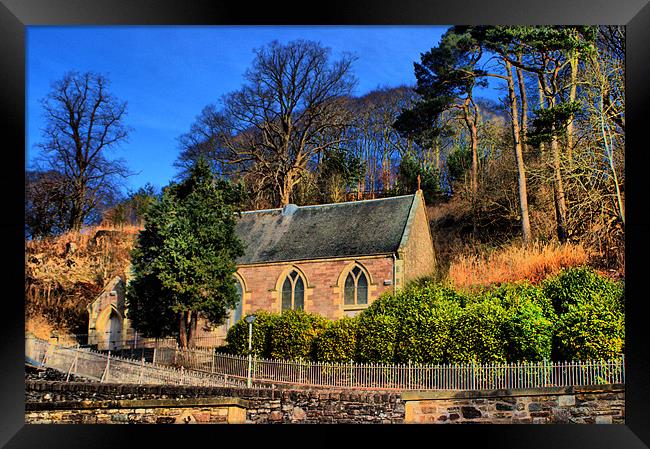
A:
293,292
355,291
236,313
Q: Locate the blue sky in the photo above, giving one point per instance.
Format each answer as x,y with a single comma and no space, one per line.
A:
168,74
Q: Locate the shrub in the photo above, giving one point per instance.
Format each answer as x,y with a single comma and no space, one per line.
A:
515,294
293,334
338,341
478,333
530,320
420,318
376,338
583,284
590,330
237,337
528,331
425,335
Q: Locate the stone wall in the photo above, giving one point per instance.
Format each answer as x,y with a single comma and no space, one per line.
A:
324,289
602,404
48,401
149,411
121,403
417,252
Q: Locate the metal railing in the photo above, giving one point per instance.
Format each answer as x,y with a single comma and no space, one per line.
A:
105,367
173,365
106,341
466,376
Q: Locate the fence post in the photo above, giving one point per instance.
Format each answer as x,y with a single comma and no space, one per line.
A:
108,364
153,358
409,381
74,363
46,354
141,370
182,375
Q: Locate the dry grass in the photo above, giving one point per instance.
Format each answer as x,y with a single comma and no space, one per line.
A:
41,328
514,263
64,274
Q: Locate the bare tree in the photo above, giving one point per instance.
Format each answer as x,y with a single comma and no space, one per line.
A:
46,203
84,121
290,110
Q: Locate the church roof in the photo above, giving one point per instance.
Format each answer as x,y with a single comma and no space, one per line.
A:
357,228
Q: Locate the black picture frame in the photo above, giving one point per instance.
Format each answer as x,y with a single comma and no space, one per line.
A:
15,15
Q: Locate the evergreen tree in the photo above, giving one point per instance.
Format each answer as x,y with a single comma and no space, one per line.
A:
185,258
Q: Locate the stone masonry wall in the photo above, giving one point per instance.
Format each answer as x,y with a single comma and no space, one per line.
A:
418,255
48,401
55,402
602,404
323,294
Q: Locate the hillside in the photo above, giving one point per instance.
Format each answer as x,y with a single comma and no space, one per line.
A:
64,274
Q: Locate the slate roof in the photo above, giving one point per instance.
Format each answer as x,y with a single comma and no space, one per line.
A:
357,228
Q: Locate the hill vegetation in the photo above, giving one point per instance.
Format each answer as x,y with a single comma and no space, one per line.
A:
518,187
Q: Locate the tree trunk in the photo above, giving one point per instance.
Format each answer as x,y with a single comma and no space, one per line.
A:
560,203
541,106
473,131
182,330
572,97
191,340
285,190
524,107
519,158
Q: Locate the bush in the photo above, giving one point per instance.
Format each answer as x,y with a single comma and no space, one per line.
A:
529,325
590,330
421,317
376,338
591,315
478,333
293,334
529,333
513,295
425,336
583,284
237,337
338,341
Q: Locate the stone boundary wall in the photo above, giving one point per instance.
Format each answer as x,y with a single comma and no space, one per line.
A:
599,404
262,405
52,401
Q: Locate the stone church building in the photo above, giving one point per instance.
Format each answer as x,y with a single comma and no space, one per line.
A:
329,259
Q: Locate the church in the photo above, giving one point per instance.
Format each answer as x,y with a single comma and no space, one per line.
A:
330,259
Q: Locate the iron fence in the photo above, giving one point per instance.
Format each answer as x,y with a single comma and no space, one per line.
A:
108,341
106,367
464,376
207,367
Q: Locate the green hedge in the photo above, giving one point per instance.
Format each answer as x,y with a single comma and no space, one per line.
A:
293,334
530,322
237,337
338,341
591,314
376,338
577,314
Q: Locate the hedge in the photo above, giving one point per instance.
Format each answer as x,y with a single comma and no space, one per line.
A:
577,314
293,334
338,341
